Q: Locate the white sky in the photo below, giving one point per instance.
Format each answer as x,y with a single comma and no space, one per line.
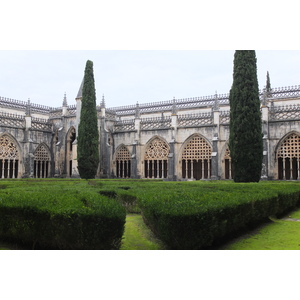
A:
127,77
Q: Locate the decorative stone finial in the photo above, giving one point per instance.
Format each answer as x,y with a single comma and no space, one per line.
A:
65,103
216,102
102,104
174,107
137,111
28,108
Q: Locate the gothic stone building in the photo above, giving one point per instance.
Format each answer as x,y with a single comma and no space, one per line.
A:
181,139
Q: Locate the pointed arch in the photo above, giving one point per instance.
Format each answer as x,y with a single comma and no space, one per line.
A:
9,156
123,162
226,162
196,158
288,156
70,139
42,160
156,158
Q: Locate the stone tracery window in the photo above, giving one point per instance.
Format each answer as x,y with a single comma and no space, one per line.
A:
9,158
123,163
196,159
41,162
288,156
156,159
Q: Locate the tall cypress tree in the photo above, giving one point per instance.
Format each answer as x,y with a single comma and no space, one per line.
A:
88,135
245,141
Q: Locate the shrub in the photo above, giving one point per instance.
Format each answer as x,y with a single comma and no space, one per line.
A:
200,215
52,219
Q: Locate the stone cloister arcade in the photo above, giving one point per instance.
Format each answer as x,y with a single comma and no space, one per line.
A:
179,139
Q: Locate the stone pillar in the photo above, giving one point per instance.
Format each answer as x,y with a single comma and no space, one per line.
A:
215,141
134,162
265,130
171,162
215,159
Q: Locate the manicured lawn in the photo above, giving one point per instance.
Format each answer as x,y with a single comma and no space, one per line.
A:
276,235
138,236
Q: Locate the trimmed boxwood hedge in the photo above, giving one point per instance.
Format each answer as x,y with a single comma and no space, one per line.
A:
195,216
60,217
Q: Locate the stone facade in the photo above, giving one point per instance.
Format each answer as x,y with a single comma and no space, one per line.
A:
181,139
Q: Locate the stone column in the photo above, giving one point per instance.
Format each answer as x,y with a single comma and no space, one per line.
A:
215,158
265,130
171,162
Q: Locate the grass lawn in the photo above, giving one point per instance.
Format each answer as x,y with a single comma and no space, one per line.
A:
138,236
276,235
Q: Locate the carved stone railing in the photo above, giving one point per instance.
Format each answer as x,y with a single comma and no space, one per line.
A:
21,105
285,92
167,106
286,112
192,120
41,124
110,114
124,125
55,114
224,117
12,120
200,102
156,123
72,110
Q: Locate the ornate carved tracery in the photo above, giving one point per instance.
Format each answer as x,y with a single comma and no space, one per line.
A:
41,162
9,158
288,156
123,163
196,159
156,159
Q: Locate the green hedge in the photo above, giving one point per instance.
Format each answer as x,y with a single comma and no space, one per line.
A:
195,216
60,217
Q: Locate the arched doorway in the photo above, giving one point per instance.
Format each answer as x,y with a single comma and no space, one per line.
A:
41,162
288,157
9,157
156,159
123,163
196,159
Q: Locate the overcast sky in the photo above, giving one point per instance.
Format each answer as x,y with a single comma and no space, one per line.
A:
127,77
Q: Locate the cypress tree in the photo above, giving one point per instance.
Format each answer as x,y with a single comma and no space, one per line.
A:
88,135
245,141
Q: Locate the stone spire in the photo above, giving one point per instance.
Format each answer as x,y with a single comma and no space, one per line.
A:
102,104
79,94
65,103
